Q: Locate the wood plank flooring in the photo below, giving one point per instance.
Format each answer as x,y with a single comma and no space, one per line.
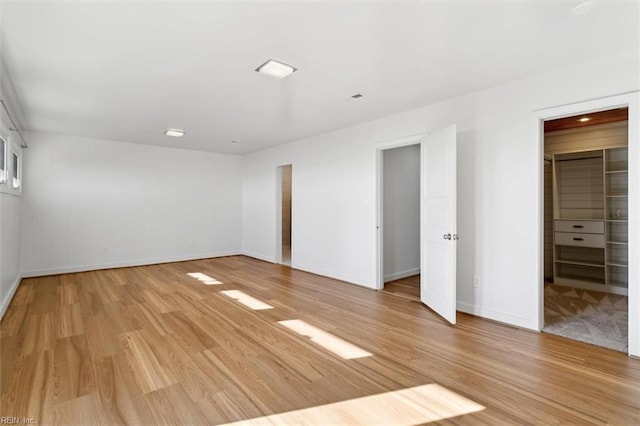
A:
408,287
153,345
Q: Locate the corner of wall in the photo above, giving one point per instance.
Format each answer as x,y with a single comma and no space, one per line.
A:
6,300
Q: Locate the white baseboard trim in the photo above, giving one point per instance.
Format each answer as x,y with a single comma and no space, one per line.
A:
402,274
310,269
9,297
96,267
258,256
331,274
503,317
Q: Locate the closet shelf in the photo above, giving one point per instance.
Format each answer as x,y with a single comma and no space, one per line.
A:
580,277
572,262
591,184
578,219
618,283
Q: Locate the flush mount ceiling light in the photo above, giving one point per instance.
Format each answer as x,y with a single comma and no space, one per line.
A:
176,133
585,8
276,69
584,119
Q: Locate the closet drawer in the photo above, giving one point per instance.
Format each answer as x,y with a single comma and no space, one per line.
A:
579,239
581,226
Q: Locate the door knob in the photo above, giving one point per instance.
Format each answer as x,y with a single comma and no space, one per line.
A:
447,236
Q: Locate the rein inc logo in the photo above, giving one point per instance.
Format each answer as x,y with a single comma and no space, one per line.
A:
17,420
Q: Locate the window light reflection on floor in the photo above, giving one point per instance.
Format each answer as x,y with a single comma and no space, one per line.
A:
204,278
412,406
327,340
246,300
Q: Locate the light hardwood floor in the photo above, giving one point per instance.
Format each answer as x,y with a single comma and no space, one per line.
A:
408,287
154,345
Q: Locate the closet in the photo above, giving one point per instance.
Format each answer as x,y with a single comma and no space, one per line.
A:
590,208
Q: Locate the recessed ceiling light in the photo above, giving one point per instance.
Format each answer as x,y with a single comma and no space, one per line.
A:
276,69
585,8
357,96
176,133
584,119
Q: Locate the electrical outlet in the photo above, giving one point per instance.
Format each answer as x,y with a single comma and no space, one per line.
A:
476,281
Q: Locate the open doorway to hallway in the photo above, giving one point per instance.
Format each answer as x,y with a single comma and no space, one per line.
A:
401,221
285,213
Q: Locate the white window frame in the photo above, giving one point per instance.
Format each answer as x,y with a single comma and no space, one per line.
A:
15,150
4,175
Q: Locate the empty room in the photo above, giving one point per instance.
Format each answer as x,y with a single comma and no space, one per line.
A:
319,212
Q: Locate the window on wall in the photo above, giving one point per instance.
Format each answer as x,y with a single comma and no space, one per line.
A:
16,170
3,161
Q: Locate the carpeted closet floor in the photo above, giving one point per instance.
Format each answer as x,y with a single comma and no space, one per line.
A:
588,316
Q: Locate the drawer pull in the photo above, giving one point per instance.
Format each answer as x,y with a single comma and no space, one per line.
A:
578,226
578,239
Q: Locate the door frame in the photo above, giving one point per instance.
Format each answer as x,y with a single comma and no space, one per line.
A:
379,151
632,101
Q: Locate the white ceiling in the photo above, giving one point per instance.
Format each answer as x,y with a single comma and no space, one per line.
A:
127,71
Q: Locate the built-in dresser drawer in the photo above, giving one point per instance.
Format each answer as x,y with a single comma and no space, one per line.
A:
579,239
582,226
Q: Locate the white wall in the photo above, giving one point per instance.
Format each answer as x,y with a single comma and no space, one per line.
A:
10,208
10,201
498,176
95,204
401,212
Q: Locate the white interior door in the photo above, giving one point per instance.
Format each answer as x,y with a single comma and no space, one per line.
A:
438,223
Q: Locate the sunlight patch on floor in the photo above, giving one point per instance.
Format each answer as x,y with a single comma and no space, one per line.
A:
246,300
413,406
327,340
204,278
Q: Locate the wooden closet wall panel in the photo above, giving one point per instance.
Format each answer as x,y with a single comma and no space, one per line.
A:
587,138
580,254
581,194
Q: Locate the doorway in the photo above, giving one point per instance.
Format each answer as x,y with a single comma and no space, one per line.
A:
401,221
586,228
437,227
285,175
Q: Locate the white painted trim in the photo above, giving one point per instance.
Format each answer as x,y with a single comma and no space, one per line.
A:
4,172
402,274
95,267
378,150
632,101
331,274
503,317
259,256
400,142
379,283
9,297
6,187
